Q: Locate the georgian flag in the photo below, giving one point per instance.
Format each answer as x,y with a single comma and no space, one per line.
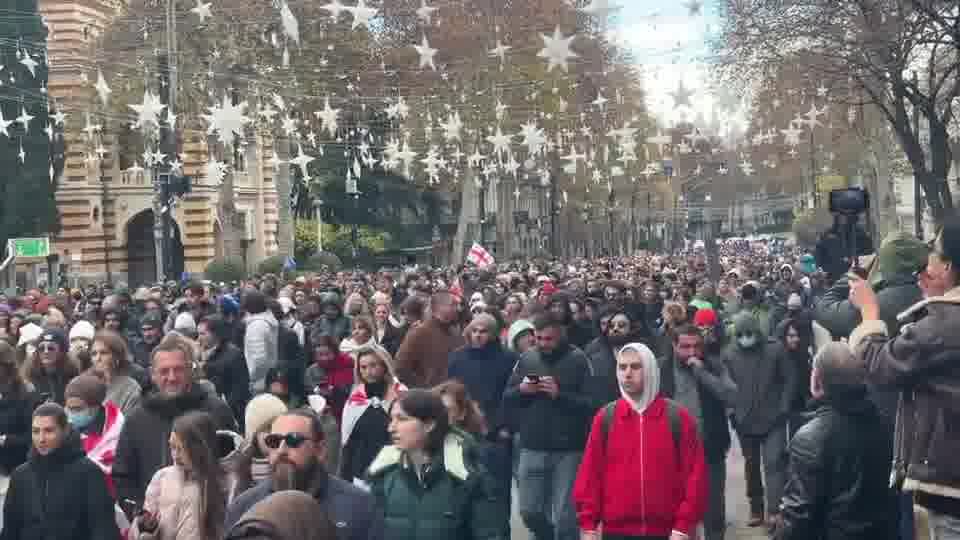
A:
480,256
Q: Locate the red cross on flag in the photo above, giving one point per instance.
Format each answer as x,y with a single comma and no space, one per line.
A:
480,256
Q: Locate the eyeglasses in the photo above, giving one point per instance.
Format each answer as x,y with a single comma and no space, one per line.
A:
292,440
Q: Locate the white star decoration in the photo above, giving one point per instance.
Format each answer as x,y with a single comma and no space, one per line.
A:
4,124
302,160
426,54
556,49
335,8
24,119
328,117
500,51
533,137
227,119
215,171
451,129
361,14
29,63
424,12
202,10
148,111
103,91
791,135
500,142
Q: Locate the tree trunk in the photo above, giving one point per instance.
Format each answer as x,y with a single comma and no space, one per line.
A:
284,215
468,210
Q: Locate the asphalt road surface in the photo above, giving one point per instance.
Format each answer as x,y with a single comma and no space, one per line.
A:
738,510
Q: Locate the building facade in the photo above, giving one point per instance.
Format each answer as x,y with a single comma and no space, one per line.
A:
106,206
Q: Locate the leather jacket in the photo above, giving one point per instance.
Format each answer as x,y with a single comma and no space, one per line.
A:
837,476
923,363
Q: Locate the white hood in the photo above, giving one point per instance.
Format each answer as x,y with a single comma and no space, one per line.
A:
651,377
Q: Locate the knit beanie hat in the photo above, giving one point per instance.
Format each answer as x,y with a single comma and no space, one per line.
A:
705,317
82,330
261,410
184,323
88,388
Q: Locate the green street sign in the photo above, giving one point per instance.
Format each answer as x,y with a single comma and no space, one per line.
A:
31,247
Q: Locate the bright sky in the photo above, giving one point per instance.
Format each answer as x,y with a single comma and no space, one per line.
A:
670,45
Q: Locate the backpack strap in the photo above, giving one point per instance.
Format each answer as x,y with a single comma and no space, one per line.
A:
607,422
673,416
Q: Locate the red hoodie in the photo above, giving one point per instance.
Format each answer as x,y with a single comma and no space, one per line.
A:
635,485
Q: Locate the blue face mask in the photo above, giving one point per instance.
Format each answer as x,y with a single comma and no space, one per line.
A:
80,420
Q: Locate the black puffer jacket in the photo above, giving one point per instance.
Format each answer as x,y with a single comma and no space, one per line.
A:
143,446
227,370
61,496
838,474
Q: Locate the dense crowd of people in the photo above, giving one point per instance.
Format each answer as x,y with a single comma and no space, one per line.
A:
594,397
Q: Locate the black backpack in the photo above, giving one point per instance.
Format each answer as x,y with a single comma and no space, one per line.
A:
672,416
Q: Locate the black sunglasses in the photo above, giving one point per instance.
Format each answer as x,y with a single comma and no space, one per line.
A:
292,440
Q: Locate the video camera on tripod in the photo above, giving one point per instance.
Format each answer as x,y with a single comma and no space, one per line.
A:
840,247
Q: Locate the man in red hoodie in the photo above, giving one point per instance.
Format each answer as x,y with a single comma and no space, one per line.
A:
643,473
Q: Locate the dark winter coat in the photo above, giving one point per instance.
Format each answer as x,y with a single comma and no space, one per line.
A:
292,359
766,386
546,424
923,362
452,500
485,373
352,510
227,370
61,496
604,387
421,361
143,448
15,424
837,478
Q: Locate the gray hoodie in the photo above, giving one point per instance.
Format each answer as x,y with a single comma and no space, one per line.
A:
260,348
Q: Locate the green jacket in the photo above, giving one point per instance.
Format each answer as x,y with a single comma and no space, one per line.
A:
452,500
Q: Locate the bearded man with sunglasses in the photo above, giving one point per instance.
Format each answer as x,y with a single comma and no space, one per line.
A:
297,457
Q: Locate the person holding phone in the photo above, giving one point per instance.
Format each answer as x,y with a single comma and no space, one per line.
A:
549,392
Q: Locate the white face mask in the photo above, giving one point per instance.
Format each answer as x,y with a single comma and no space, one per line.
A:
747,341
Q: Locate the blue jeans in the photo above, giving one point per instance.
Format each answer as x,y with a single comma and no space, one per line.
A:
546,493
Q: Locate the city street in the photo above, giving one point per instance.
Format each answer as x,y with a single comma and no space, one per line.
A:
737,508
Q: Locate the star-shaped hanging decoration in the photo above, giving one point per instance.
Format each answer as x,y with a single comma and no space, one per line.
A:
5,124
24,119
476,158
275,161
822,91
361,14
624,132
681,96
500,51
289,125
215,171
746,167
812,116
791,135
425,12
335,8
103,91
148,111
58,117
500,142
289,22
500,110
227,119
452,127
267,113
301,160
512,166
328,117
426,53
29,63
600,102
22,154
533,137
556,49
202,10
400,109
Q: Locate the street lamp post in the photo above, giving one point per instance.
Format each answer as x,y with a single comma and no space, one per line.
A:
318,207
355,193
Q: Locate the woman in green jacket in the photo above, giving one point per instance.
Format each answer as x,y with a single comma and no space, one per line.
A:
426,485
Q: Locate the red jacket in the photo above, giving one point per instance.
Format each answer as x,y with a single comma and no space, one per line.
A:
636,484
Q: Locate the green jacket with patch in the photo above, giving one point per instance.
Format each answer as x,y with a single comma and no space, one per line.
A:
452,499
